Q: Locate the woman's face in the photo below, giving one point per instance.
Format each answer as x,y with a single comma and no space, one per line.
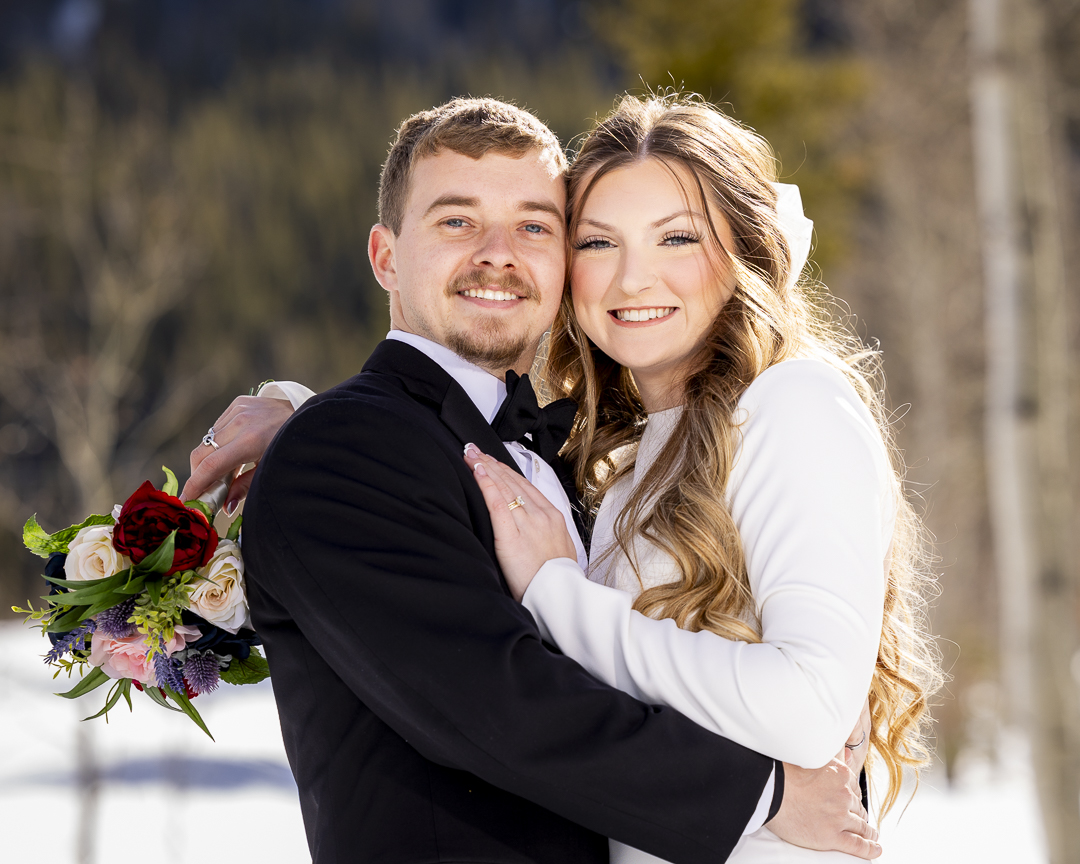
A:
644,276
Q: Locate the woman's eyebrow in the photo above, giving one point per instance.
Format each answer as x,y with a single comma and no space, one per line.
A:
693,214
603,226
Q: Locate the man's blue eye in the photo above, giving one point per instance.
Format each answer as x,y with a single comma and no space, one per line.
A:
455,223
534,229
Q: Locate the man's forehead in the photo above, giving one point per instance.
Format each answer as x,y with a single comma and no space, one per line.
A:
503,178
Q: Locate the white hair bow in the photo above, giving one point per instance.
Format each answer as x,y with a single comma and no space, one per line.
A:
796,228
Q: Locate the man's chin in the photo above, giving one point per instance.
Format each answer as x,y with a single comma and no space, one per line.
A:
493,352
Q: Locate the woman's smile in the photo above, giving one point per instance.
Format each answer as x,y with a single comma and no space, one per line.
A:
644,316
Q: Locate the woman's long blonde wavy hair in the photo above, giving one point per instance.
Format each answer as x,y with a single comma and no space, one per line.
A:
680,505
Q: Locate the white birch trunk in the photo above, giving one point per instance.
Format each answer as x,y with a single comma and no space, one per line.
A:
1007,474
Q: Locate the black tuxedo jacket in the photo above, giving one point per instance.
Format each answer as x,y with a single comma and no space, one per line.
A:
424,719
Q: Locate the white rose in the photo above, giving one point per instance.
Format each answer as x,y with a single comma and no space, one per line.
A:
91,554
219,596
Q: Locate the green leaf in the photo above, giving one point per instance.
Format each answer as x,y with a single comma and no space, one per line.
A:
153,588
182,700
234,529
68,621
91,681
159,697
171,487
202,507
161,559
43,544
121,688
250,671
134,585
85,593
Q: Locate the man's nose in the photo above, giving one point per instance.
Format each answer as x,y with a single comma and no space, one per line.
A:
496,249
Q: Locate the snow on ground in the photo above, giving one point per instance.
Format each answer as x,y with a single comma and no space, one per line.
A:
171,795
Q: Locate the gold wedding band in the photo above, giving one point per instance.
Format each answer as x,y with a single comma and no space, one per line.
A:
517,502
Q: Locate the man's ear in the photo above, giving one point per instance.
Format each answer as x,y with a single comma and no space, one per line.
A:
381,255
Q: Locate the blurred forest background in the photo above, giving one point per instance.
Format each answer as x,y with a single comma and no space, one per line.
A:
186,189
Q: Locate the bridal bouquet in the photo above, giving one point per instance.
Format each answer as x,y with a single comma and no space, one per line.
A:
149,597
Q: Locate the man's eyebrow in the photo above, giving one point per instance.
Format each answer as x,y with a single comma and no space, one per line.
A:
541,207
452,201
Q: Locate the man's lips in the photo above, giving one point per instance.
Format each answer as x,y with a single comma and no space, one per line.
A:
648,313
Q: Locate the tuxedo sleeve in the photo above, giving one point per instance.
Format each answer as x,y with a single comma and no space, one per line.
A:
367,527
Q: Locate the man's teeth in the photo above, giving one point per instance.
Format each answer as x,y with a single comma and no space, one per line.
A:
643,314
489,294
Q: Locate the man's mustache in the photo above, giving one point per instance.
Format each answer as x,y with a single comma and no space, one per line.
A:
510,282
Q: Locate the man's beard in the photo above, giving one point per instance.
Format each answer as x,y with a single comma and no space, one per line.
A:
485,343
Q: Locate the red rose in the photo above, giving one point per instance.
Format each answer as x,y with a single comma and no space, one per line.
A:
149,516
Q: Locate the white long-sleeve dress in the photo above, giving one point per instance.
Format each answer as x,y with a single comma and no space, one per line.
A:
814,498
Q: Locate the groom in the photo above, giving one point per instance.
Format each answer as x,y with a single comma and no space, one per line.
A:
424,719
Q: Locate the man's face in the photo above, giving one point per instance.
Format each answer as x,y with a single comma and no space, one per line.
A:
480,260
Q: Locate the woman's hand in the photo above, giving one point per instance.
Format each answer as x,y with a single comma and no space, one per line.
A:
527,533
858,743
242,434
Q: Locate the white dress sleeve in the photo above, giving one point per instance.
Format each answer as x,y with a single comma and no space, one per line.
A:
296,394
812,493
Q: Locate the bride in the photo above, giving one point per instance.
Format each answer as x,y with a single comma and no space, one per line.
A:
733,443
754,563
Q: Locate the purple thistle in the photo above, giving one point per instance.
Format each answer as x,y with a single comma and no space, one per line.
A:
202,671
114,622
167,670
73,640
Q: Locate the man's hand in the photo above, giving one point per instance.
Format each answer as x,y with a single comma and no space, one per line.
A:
242,433
822,809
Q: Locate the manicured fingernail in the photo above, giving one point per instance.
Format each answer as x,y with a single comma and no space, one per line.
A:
230,507
480,469
472,451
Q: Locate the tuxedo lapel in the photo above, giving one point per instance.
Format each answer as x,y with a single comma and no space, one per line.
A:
428,382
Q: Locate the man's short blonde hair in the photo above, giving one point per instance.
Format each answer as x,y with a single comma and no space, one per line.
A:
471,127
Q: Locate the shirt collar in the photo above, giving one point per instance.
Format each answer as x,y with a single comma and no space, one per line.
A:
485,390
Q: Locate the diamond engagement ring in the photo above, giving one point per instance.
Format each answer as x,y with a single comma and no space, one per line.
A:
517,502
208,439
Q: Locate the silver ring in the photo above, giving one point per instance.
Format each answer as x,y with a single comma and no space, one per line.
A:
517,502
208,439
858,745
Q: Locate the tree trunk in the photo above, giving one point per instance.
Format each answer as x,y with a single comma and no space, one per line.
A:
1055,722
1028,394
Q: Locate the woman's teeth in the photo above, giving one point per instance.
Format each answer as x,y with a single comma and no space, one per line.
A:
643,314
489,294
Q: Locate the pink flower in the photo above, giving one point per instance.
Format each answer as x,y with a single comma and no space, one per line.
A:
126,658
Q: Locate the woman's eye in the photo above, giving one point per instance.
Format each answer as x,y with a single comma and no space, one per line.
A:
681,238
593,243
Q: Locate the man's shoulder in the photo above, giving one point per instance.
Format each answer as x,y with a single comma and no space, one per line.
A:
365,398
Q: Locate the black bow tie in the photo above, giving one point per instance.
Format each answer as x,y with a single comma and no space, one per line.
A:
520,414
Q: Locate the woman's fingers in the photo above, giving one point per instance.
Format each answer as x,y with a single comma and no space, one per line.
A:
494,491
514,485
242,435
